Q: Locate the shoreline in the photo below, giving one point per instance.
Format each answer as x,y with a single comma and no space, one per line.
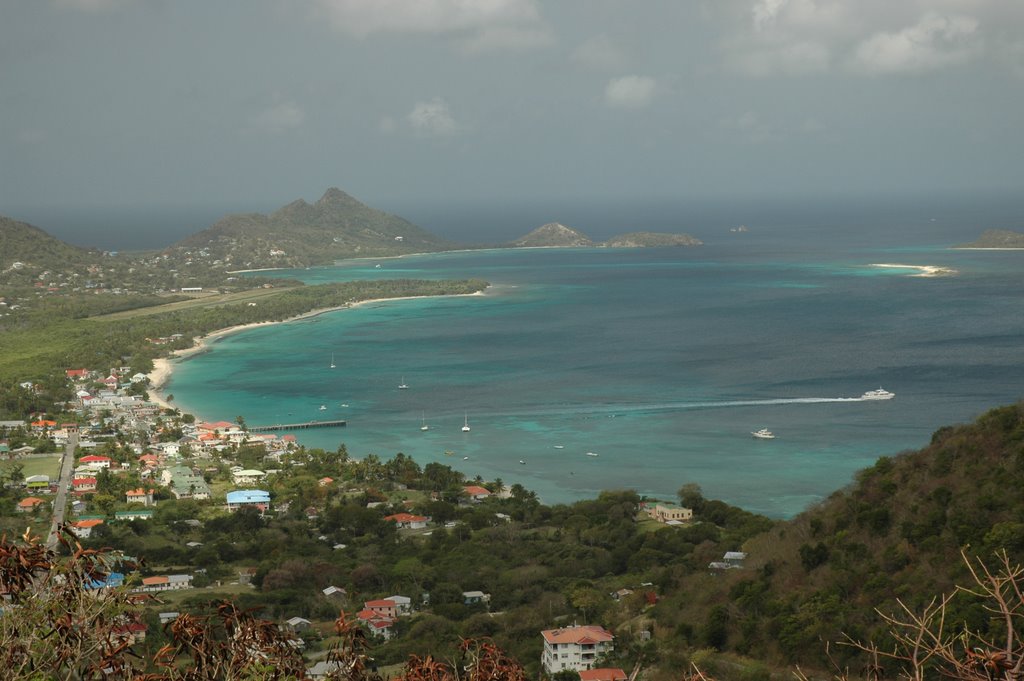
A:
987,248
163,367
927,271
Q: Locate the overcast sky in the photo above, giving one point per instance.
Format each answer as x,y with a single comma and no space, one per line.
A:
257,102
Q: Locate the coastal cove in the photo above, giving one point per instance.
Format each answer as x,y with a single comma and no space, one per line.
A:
657,362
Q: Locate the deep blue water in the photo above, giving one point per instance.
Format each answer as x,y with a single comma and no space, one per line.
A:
660,361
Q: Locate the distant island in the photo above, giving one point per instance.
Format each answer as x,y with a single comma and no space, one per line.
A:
300,234
651,240
556,235
997,238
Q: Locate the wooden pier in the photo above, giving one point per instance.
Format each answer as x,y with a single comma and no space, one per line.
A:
297,426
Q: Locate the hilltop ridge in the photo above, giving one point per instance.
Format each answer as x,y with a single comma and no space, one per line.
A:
301,234
23,243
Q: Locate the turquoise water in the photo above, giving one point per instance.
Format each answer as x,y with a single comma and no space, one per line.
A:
659,361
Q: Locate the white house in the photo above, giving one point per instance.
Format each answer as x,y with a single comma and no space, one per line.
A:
403,604
247,477
576,647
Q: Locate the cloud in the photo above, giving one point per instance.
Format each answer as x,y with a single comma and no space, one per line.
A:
479,25
933,42
866,37
501,38
630,92
600,53
280,117
432,118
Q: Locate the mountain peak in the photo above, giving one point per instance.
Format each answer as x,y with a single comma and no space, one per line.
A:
336,197
554,234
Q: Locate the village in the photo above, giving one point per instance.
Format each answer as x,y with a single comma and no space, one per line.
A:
128,465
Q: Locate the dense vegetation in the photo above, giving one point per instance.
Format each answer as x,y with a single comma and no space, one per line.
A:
894,535
23,243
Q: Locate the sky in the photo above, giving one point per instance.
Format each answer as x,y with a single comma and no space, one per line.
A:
164,105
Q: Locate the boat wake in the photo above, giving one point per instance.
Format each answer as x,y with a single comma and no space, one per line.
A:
682,406
612,410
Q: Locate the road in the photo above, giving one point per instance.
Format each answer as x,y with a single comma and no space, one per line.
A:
60,503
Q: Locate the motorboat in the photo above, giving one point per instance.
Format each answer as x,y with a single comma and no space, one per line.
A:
763,434
878,394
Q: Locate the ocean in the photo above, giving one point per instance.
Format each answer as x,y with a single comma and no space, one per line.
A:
589,369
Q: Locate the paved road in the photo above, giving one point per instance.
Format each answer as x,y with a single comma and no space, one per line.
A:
60,503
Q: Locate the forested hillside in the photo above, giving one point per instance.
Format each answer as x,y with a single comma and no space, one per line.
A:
896,533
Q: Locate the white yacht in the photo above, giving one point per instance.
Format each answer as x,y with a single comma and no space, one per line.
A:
402,385
465,427
424,426
879,394
763,434
333,365
323,407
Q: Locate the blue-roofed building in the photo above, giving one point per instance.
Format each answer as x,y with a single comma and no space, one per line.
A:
255,498
112,580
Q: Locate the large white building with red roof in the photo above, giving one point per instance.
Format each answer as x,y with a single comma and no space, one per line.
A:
577,647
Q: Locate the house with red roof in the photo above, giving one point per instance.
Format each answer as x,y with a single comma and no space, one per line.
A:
476,492
217,426
29,504
383,607
95,461
84,484
576,647
149,460
165,583
379,625
603,674
83,528
77,374
408,521
139,496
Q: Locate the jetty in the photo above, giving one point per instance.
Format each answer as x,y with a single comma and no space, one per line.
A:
297,426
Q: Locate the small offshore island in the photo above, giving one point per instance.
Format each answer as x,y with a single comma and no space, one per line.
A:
997,239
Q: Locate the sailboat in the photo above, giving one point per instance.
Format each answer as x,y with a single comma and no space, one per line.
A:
424,426
402,385
333,365
465,427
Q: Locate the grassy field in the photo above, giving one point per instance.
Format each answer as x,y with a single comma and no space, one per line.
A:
43,465
213,592
210,300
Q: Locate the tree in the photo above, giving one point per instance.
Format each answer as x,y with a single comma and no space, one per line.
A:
931,644
691,496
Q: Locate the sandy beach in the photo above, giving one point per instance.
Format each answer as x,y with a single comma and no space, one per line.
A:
922,270
163,367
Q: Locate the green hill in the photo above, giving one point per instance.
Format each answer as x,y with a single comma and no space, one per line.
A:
997,238
22,243
650,240
552,235
896,533
301,234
